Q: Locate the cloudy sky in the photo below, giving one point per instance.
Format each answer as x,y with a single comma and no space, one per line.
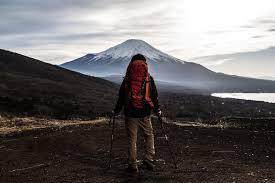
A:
56,31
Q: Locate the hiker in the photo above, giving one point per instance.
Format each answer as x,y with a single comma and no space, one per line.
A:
139,96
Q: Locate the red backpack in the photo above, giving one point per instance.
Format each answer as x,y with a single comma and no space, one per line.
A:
137,83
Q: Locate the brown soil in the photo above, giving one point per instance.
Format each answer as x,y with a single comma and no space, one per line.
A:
79,153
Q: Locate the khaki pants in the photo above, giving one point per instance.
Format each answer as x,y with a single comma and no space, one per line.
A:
132,125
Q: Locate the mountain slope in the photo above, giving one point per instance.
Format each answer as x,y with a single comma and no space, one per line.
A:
166,68
33,87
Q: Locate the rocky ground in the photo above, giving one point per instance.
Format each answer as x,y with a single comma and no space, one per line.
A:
79,153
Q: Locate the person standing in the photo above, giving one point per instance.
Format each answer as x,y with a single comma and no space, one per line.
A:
139,97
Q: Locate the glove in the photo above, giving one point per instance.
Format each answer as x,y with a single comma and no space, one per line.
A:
159,113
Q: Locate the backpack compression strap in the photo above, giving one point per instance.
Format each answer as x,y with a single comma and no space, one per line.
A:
148,91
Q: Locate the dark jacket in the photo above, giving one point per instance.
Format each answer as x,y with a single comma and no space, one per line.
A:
133,112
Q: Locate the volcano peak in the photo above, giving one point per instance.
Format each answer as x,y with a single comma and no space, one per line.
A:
132,47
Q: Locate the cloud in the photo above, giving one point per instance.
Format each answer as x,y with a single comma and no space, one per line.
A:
267,21
214,62
260,22
219,62
65,29
248,26
83,18
258,36
30,26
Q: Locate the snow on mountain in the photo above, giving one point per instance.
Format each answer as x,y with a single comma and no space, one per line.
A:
114,60
122,53
132,47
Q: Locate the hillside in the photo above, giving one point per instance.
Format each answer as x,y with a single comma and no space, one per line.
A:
32,87
165,68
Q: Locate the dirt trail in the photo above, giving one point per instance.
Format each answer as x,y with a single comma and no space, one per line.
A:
79,154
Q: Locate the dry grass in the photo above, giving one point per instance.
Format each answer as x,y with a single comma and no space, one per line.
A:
19,124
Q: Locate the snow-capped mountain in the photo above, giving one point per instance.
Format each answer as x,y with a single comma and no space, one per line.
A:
115,60
131,47
163,67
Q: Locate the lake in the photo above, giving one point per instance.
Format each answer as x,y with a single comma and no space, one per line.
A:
266,97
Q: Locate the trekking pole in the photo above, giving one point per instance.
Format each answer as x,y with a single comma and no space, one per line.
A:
112,118
167,141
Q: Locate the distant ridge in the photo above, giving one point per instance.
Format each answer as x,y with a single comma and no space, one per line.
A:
256,63
267,78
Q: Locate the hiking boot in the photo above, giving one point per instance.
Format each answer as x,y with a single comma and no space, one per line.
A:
149,164
132,170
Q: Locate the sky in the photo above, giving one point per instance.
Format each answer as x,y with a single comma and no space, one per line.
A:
56,31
